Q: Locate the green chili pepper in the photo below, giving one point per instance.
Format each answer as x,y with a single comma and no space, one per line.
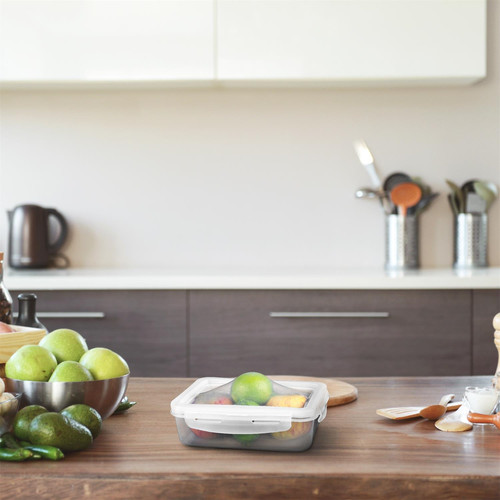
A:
124,405
49,452
10,441
27,444
17,455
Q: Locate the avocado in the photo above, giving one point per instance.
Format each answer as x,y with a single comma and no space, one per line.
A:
86,416
54,429
21,424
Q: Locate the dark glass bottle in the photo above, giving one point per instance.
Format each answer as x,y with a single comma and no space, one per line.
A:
5,298
27,311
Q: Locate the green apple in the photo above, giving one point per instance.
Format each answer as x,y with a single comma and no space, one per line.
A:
70,371
31,362
65,344
104,363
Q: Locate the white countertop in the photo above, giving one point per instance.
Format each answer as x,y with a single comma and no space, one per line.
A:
241,278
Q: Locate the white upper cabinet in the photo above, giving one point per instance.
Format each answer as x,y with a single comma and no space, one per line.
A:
331,42
352,41
85,41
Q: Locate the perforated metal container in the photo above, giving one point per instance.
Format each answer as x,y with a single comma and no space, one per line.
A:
401,242
470,241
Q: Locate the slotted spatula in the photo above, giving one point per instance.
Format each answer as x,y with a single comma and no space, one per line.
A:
405,412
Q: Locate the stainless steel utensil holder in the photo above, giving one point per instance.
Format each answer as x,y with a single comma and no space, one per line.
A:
401,242
470,241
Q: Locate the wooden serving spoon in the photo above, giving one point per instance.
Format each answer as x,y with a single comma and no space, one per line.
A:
479,418
456,422
405,195
433,412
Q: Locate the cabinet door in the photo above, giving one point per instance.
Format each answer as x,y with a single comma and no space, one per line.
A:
426,333
106,41
355,40
485,304
148,328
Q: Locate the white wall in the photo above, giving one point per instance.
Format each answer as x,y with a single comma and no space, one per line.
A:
248,177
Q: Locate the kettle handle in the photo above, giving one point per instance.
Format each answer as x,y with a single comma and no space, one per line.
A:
56,245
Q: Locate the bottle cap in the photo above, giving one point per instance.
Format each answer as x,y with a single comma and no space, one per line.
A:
26,296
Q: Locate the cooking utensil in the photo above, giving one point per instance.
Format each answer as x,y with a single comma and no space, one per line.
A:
366,193
479,418
422,204
485,191
453,204
468,186
433,412
340,392
394,179
426,189
405,195
366,159
458,195
474,204
406,412
455,422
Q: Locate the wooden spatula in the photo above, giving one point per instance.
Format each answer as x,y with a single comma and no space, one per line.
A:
405,412
433,412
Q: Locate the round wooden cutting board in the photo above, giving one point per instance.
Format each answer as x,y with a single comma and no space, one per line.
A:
340,392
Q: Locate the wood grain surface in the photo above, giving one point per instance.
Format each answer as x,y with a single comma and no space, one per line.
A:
356,454
10,342
340,392
232,332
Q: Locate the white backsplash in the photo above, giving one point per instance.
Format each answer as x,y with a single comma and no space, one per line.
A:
252,177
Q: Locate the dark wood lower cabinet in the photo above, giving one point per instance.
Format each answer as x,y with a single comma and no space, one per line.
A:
485,304
147,327
427,332
164,333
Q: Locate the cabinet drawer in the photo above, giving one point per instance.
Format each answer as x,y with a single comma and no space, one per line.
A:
148,328
399,333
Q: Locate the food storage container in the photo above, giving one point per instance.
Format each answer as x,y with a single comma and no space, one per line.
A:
216,422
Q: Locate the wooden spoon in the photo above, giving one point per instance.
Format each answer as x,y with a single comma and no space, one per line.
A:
455,422
479,418
405,195
433,412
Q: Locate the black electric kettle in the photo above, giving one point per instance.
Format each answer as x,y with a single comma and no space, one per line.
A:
29,238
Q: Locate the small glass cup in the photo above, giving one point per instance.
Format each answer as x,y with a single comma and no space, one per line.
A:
482,400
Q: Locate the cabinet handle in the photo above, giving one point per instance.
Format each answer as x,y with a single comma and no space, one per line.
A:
51,315
329,314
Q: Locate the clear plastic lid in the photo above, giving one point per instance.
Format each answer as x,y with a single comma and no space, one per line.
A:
235,418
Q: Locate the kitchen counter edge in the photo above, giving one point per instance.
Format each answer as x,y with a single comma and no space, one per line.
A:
270,279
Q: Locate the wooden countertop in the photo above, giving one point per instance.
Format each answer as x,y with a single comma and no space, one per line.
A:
356,454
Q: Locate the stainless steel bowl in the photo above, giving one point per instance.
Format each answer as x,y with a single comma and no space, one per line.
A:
102,395
8,410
